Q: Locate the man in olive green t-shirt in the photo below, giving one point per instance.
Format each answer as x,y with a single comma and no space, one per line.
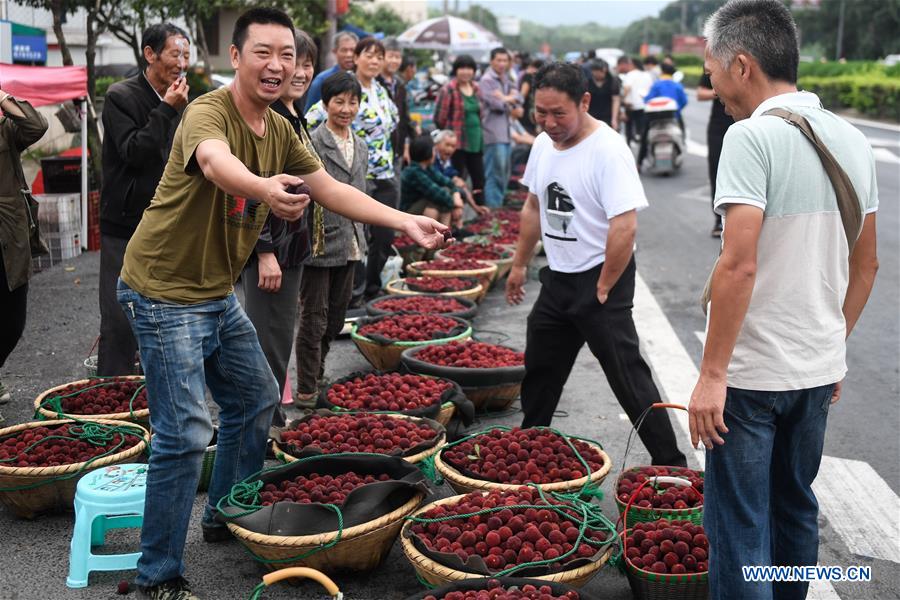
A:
231,162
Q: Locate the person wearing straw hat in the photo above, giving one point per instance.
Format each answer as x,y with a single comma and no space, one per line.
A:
233,161
796,187
584,194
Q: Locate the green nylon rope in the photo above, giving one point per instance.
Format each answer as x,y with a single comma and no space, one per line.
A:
54,403
97,434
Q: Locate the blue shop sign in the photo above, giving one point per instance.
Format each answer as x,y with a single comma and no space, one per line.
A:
29,48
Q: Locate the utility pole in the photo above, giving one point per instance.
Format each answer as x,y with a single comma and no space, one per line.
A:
839,51
684,7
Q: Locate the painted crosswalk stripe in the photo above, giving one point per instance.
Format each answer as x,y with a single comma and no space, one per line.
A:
675,370
697,149
860,506
822,590
885,155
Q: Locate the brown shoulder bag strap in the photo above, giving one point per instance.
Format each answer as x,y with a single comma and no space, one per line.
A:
848,201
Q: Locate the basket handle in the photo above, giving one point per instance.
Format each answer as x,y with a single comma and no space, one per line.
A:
640,421
304,572
634,495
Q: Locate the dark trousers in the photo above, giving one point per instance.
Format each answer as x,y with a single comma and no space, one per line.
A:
565,315
714,138
471,164
273,316
634,125
379,238
117,348
324,295
13,307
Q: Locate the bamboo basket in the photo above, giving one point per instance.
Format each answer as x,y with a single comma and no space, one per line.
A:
141,417
282,454
638,514
437,574
463,484
397,287
495,397
59,493
446,414
386,357
647,585
361,547
504,264
485,276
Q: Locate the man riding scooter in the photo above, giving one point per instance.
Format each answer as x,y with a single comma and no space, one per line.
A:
663,133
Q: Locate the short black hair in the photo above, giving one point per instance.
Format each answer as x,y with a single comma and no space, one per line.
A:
339,83
651,60
537,63
391,45
500,50
598,63
667,69
463,61
366,43
638,63
306,47
563,77
421,148
407,62
623,60
261,15
158,34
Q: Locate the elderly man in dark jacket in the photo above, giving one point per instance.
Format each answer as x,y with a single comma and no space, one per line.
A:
139,120
20,126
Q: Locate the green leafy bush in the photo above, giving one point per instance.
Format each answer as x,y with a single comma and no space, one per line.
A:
102,84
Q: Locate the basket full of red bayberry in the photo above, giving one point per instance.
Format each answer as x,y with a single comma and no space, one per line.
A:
467,288
117,398
521,532
490,374
503,588
422,303
382,339
407,248
327,432
500,458
667,560
484,271
486,252
42,461
660,493
405,393
331,512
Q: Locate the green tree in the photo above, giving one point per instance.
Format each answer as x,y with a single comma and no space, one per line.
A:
650,30
871,29
381,20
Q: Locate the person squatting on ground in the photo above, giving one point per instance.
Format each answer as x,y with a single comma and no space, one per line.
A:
270,282
445,146
425,191
327,283
375,122
499,97
139,120
20,126
584,194
458,108
232,161
788,288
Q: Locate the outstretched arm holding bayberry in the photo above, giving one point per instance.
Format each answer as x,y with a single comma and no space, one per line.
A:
529,234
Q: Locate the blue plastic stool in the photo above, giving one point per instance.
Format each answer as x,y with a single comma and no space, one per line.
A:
107,498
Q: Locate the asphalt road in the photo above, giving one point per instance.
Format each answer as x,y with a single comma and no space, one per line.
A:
861,514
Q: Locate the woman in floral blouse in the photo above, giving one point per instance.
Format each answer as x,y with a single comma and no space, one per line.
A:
377,118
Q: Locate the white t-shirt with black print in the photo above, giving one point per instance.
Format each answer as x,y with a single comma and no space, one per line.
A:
580,189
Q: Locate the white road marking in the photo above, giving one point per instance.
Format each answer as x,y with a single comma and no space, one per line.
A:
697,149
674,369
860,506
872,124
821,590
885,142
701,335
885,155
699,194
623,417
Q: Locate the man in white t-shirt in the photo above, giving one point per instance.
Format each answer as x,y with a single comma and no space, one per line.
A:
584,194
636,83
785,294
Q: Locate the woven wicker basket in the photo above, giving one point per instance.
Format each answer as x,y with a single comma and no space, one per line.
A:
485,276
647,585
361,548
43,491
504,264
495,397
398,287
209,461
386,357
463,484
640,514
140,417
282,454
437,574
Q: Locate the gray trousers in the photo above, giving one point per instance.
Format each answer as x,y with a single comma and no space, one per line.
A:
117,348
273,315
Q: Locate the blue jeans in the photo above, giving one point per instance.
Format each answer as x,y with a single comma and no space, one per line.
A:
759,507
184,350
496,173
